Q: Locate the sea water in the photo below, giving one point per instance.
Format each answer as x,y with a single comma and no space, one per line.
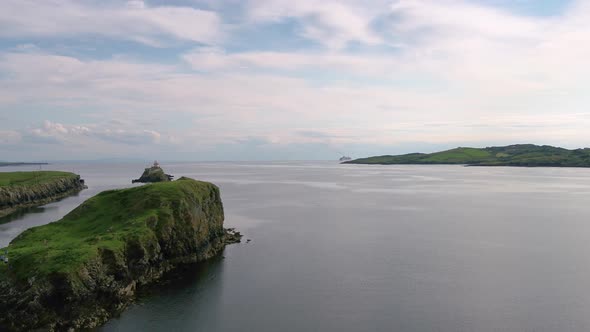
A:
370,248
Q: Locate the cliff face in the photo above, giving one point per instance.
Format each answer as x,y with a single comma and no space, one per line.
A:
82,282
15,197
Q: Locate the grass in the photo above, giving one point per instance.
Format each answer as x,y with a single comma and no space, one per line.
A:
31,178
512,155
105,221
457,155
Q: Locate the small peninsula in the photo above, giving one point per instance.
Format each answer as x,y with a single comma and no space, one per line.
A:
5,163
78,272
524,155
20,190
153,174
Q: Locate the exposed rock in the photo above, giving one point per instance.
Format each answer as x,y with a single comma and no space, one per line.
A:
232,236
154,174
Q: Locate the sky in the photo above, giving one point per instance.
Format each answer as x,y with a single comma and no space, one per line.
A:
289,80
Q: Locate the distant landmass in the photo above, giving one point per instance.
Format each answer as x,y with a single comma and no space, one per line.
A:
524,155
5,163
21,190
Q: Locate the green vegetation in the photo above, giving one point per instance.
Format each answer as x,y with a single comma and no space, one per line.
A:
108,221
31,178
528,155
20,190
76,273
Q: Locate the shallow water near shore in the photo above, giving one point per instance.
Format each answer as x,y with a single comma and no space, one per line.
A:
371,248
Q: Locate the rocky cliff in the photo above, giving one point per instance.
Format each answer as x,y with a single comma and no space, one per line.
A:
78,272
36,188
153,174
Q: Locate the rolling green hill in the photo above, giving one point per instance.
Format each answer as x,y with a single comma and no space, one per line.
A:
32,178
526,155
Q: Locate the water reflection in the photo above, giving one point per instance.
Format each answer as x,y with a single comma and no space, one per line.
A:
197,285
22,212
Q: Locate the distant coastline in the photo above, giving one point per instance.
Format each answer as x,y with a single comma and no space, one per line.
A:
518,155
2,163
22,190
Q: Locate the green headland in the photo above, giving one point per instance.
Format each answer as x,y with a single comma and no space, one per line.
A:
20,190
79,271
32,178
525,155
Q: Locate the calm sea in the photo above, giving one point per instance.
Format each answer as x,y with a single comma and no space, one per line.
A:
371,248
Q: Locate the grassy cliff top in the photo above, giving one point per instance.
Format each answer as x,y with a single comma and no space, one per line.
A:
513,155
31,178
105,221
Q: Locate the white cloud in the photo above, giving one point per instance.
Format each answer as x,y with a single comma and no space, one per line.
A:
228,106
208,59
455,46
462,19
332,23
53,132
465,73
512,64
133,20
211,59
129,137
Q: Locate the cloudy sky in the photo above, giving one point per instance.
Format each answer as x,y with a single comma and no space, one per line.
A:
285,79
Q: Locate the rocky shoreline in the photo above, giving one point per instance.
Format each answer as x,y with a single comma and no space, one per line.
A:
15,198
86,295
102,295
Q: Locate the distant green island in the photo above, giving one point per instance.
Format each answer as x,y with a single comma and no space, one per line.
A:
6,163
523,155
